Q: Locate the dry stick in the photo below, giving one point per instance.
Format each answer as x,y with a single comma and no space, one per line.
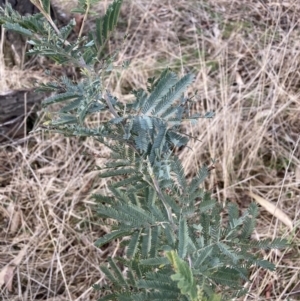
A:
39,5
84,19
2,62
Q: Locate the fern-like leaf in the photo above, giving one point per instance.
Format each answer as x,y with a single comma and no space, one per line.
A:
17,28
155,261
184,276
173,94
117,172
157,285
146,243
119,276
156,232
198,180
60,97
202,255
110,236
227,276
183,238
133,244
165,82
158,144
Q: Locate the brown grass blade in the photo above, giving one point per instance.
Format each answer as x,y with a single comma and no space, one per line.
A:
7,273
274,210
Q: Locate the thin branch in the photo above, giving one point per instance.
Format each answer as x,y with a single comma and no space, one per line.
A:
110,106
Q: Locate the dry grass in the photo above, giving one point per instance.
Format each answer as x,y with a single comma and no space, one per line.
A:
246,58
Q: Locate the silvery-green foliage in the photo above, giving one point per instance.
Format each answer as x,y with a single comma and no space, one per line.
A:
180,243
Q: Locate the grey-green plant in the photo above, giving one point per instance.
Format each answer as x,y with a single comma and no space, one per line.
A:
179,242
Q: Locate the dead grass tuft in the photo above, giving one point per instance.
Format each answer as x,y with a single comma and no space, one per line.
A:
246,58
